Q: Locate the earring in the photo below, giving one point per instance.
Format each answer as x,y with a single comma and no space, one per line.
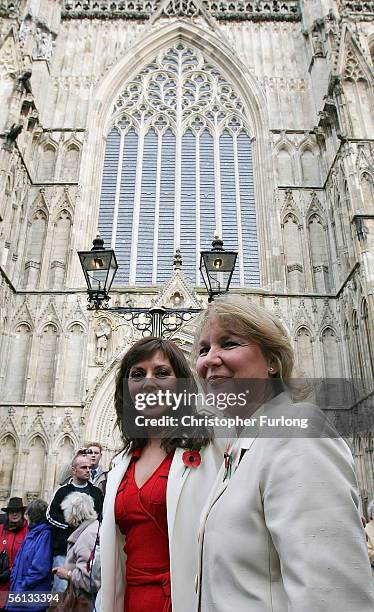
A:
271,370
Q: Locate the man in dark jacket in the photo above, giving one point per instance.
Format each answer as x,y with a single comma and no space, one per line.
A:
81,470
31,571
12,534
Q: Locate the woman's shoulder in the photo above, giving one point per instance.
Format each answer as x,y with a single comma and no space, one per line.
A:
118,466
87,536
90,526
119,458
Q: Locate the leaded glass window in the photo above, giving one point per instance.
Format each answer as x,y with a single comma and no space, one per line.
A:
178,169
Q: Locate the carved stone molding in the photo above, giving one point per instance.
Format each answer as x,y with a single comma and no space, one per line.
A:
358,7
9,8
295,267
260,10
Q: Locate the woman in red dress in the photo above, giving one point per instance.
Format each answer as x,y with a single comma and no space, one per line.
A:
153,500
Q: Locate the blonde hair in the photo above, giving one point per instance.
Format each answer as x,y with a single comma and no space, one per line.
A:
254,323
78,507
96,444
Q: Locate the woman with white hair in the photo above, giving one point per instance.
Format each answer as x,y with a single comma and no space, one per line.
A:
370,534
79,513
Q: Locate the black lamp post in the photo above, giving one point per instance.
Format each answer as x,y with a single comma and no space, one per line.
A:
100,266
217,267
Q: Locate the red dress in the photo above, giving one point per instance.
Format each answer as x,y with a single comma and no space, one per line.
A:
141,516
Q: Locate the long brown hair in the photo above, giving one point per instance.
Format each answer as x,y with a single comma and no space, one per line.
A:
124,406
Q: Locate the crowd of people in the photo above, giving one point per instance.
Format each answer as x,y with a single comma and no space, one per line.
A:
190,520
49,545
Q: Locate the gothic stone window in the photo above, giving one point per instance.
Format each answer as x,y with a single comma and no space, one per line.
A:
177,169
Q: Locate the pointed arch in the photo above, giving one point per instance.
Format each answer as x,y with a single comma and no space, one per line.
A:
357,347
47,160
65,202
357,79
8,454
317,234
18,361
65,449
368,343
59,440
154,167
286,170
305,352
4,206
37,233
292,250
46,362
367,190
71,159
60,248
348,348
309,162
331,353
148,48
74,362
37,459
39,203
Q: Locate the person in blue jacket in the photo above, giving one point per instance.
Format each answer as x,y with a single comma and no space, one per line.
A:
31,574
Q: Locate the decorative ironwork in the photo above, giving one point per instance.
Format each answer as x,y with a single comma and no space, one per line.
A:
99,266
158,322
225,10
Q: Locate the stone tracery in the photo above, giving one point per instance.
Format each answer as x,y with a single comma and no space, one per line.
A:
182,111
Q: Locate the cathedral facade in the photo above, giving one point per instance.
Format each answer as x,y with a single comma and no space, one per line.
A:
159,124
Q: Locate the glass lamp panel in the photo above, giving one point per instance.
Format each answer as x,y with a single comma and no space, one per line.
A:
99,268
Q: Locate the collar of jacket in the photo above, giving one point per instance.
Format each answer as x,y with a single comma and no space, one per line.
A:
88,484
77,532
17,528
249,434
36,528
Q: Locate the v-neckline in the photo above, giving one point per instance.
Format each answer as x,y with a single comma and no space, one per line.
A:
139,488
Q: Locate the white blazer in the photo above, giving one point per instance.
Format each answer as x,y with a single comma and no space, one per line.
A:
187,491
284,534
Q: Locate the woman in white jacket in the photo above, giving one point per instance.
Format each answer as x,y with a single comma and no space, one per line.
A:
281,531
156,491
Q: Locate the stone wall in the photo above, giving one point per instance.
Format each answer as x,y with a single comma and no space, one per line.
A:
305,75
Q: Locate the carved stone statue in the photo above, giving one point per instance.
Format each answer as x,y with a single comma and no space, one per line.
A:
44,45
25,29
317,43
103,333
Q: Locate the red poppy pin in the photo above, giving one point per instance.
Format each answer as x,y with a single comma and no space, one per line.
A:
191,459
